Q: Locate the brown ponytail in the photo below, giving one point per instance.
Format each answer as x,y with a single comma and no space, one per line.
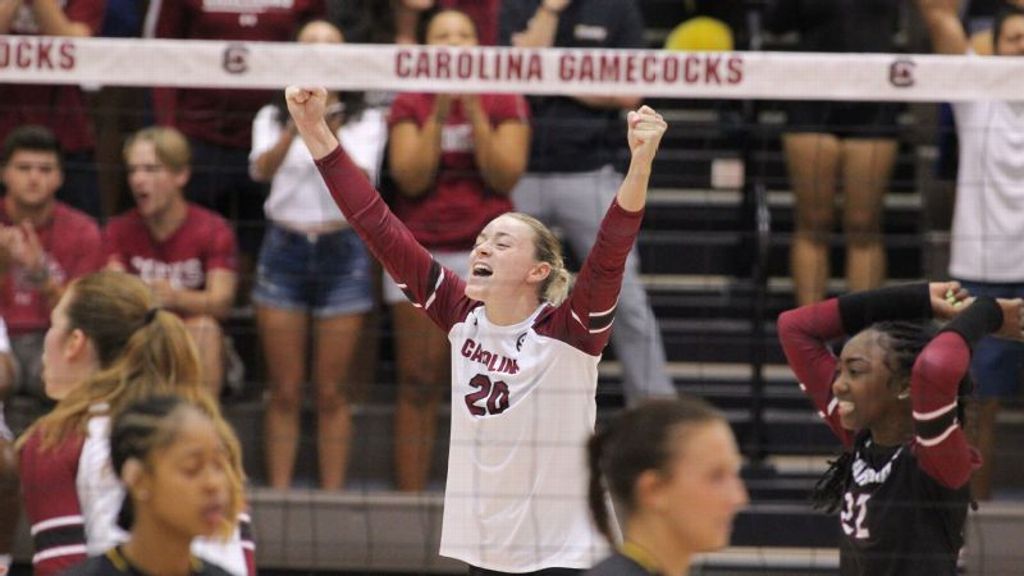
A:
639,439
140,353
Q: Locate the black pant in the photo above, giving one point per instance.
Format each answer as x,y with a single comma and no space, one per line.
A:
474,571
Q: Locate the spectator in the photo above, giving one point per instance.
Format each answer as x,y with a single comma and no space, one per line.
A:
62,109
218,122
185,253
313,269
833,143
673,468
987,254
109,346
978,21
454,159
44,244
570,179
10,507
151,442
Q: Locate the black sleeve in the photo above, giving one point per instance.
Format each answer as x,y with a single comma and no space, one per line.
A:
904,302
980,319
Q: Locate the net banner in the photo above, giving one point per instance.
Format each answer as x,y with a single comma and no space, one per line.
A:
726,75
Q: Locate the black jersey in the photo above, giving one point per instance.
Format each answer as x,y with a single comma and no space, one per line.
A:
904,507
897,520
115,563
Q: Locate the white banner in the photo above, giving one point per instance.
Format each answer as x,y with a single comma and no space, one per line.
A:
727,75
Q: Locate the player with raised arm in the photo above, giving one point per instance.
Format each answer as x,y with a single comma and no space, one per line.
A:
524,356
893,399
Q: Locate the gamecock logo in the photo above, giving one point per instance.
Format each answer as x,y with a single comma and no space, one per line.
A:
901,73
236,59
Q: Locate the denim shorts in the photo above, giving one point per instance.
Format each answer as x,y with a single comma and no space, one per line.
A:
997,365
327,274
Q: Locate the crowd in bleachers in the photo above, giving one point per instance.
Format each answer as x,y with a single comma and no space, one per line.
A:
210,197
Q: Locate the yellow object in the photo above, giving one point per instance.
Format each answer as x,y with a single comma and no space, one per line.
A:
701,34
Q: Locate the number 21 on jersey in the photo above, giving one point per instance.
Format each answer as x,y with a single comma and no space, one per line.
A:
855,511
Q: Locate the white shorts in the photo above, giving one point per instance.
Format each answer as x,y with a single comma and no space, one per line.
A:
457,262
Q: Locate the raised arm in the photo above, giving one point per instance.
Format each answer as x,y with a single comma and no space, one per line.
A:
944,26
806,332
940,443
308,107
646,127
537,30
438,291
593,299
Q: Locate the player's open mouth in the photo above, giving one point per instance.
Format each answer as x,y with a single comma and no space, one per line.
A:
482,270
845,407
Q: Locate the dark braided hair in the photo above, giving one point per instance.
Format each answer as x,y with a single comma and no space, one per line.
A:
135,433
639,439
154,423
903,342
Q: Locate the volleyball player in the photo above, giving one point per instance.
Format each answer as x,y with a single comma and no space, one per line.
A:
893,399
524,356
108,345
173,457
673,467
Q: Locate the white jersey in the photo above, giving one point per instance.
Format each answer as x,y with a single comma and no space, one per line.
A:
988,221
522,409
523,403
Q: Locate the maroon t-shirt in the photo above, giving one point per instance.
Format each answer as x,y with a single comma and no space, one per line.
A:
73,248
222,116
62,109
202,243
451,215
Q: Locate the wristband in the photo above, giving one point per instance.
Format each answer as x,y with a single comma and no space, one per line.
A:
904,302
978,320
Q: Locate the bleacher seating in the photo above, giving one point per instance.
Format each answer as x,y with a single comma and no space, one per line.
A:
695,252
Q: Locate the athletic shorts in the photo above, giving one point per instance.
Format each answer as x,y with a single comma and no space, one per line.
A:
326,274
843,119
997,365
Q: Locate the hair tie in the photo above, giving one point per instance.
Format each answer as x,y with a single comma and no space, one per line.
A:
150,315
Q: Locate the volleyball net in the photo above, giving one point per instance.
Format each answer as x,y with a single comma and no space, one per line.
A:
651,73
714,251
